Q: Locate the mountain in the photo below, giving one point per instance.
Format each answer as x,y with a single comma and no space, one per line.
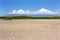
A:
33,15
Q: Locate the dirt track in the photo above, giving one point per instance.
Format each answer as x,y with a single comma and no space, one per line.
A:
29,29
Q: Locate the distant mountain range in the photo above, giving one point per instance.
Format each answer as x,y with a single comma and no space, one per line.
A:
33,15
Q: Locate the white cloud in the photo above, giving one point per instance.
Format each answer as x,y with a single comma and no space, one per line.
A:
20,11
41,11
57,12
14,11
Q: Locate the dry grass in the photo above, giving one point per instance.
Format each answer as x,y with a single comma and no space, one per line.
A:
30,29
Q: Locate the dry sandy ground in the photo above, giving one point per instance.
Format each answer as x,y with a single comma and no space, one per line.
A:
29,29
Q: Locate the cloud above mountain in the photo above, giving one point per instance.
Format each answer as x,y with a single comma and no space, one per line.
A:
40,11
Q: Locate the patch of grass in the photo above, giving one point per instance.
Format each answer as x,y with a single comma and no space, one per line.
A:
8,18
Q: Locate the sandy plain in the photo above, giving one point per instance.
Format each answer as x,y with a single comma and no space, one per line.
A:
30,29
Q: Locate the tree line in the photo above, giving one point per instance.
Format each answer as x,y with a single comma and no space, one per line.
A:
28,17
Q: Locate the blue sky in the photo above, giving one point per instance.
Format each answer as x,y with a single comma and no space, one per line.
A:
7,6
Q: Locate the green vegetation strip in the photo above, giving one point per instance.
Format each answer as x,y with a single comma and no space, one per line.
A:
27,17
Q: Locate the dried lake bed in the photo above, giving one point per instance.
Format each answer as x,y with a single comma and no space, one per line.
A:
30,29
